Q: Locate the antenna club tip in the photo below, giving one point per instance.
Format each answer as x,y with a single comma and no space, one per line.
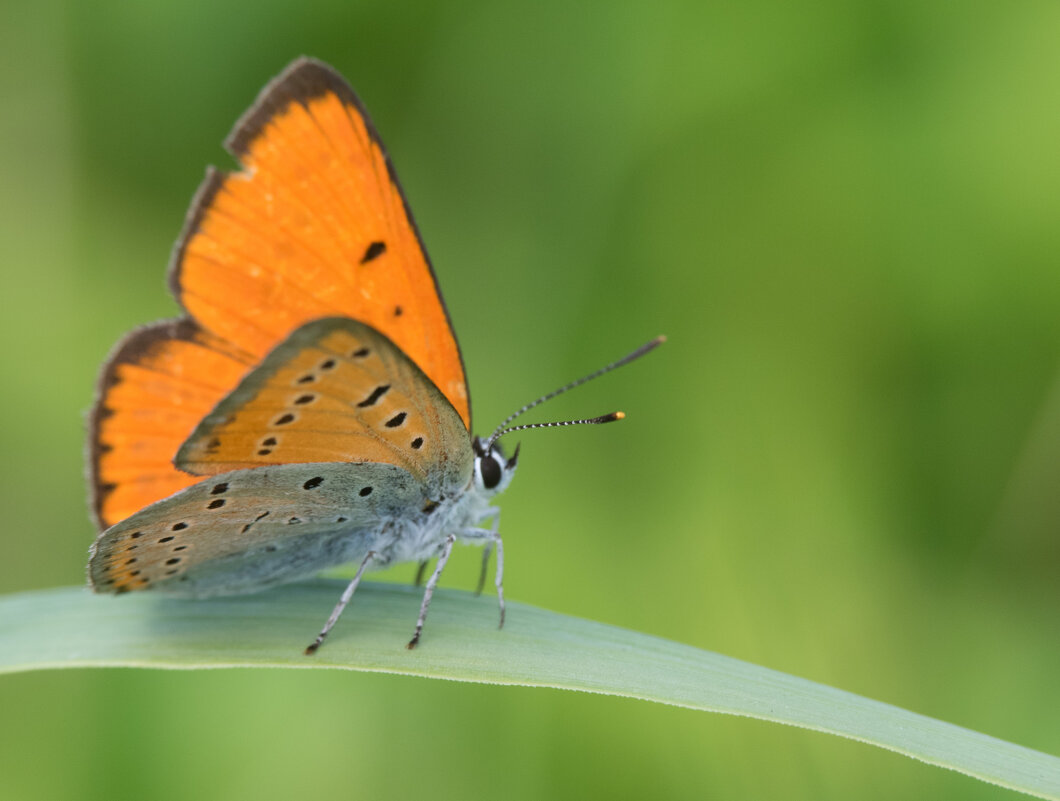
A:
660,339
617,415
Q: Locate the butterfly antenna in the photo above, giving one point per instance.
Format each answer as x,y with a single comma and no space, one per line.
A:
589,421
504,428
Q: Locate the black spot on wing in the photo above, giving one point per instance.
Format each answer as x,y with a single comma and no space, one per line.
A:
374,397
246,528
373,251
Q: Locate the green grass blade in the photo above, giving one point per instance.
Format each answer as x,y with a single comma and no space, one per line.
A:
70,627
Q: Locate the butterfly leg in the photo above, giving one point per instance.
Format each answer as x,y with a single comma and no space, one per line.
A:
485,568
345,599
493,540
495,513
419,574
447,549
500,577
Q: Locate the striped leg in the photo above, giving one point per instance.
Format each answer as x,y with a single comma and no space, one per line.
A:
429,591
345,599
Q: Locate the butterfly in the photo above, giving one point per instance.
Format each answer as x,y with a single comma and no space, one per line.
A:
310,408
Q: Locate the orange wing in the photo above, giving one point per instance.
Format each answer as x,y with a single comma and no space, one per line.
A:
159,382
315,225
336,390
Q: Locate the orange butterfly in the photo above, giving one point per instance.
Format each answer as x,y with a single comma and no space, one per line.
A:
311,407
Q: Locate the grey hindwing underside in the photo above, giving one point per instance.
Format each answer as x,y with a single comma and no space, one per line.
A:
249,529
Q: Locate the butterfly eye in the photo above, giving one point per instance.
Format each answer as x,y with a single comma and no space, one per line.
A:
490,470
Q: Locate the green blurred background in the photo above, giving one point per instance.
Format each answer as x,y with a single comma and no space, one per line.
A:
846,217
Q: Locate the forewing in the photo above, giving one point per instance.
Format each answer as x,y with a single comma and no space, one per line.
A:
249,529
314,225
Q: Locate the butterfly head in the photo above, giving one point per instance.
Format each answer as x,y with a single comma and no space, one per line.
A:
493,472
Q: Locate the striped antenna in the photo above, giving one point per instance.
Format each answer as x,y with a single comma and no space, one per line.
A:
504,428
604,418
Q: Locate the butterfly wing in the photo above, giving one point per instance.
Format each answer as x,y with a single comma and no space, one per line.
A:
158,383
314,225
336,390
249,529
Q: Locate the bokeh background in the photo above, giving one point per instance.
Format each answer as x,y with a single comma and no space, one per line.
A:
846,217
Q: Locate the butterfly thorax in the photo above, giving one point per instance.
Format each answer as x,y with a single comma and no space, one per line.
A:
461,515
